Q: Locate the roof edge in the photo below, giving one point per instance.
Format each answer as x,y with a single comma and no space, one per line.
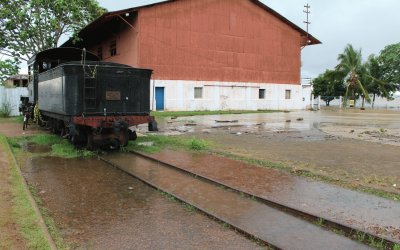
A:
311,39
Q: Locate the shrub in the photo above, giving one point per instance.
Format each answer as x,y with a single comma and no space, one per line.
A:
197,145
5,110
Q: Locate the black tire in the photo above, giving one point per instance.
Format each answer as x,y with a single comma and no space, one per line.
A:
90,143
132,135
114,144
153,126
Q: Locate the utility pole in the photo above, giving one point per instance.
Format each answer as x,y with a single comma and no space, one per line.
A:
307,22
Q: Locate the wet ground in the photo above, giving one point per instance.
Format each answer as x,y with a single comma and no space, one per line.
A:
96,206
361,211
358,147
13,129
278,228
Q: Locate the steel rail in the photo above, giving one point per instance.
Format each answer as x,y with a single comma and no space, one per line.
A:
298,213
310,218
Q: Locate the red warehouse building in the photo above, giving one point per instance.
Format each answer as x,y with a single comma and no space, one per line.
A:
207,54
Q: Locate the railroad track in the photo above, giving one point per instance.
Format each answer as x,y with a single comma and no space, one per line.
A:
275,224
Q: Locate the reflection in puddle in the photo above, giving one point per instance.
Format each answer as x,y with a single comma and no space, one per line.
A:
35,148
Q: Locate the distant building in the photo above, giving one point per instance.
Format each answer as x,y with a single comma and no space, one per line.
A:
16,81
208,54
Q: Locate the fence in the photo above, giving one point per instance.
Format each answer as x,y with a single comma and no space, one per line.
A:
337,102
11,97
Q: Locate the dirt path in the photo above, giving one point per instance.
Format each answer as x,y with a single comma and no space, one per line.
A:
14,129
10,237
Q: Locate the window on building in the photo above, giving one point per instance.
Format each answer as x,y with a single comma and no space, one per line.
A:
288,93
198,92
261,94
100,53
113,47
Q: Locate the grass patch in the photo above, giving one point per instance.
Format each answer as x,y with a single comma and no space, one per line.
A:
59,146
220,112
189,208
197,145
155,143
23,212
226,225
396,247
64,149
16,119
45,139
5,110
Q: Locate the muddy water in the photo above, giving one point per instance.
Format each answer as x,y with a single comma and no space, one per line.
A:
35,148
293,121
303,144
96,206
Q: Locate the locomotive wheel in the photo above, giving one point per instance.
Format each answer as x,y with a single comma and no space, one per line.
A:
124,137
114,144
80,138
132,135
153,126
90,141
63,132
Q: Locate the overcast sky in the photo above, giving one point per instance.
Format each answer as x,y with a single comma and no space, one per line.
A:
366,24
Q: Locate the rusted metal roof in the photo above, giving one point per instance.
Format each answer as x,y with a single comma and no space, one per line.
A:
106,17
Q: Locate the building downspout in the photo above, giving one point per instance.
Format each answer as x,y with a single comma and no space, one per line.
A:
154,91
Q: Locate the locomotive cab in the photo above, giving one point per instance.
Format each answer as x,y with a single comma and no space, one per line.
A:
49,59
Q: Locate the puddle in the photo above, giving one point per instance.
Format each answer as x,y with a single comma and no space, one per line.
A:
35,148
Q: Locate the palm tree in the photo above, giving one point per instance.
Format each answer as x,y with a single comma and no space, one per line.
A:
353,70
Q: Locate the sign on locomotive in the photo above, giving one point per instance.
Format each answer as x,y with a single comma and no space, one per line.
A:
88,101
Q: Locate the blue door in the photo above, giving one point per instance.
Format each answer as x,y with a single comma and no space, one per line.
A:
159,98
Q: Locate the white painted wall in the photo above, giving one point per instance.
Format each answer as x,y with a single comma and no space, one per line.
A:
12,96
179,96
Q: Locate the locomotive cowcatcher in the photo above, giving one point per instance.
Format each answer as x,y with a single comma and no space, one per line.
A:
88,101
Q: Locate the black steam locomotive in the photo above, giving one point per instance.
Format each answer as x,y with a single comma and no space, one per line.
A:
88,101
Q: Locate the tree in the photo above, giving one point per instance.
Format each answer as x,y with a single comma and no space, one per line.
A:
389,60
373,80
27,27
7,68
351,67
328,85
